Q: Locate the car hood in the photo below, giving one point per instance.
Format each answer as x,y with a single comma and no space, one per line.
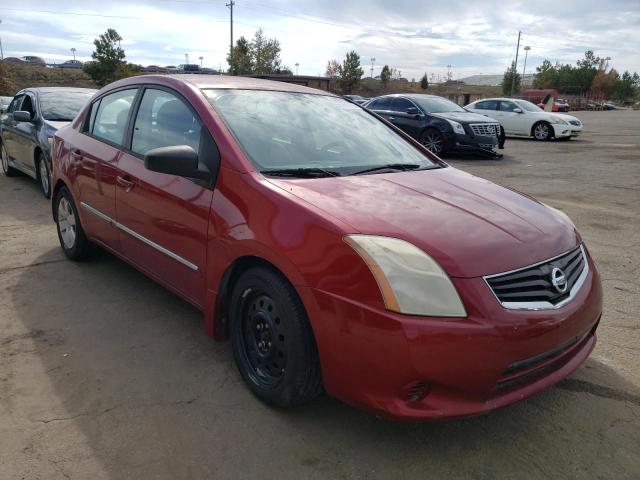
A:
463,117
470,226
566,117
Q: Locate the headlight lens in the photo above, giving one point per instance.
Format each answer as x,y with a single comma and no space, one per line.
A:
457,127
561,214
410,281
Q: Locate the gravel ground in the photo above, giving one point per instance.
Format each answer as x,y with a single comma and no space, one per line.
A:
104,374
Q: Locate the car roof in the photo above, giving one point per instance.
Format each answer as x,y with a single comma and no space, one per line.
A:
56,89
228,82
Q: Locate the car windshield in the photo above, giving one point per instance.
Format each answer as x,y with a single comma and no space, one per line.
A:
437,105
528,106
63,105
294,131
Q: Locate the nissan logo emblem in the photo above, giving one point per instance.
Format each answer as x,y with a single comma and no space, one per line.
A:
558,280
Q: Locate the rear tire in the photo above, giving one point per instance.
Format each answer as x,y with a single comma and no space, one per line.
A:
542,131
72,238
434,141
44,175
272,340
8,171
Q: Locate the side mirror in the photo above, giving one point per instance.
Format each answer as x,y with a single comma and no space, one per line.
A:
413,111
180,160
21,116
517,110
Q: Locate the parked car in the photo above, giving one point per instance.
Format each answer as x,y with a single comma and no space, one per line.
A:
71,64
32,118
609,105
331,247
356,99
32,59
575,125
559,105
522,118
4,104
171,69
437,123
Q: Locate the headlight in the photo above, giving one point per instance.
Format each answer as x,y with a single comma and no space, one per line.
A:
457,127
561,214
410,281
554,119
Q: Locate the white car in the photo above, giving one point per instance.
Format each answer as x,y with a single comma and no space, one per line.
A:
521,118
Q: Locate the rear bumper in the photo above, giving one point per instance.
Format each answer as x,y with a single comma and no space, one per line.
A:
374,359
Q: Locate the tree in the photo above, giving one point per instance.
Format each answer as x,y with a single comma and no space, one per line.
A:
627,86
351,72
241,62
604,82
511,76
424,82
333,69
546,76
108,63
265,54
385,75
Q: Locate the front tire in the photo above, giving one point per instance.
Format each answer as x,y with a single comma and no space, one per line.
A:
272,341
72,238
4,159
433,140
542,131
44,175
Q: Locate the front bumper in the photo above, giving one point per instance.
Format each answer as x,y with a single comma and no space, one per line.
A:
561,130
473,143
373,359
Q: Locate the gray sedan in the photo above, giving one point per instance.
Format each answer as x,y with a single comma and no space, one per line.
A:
32,118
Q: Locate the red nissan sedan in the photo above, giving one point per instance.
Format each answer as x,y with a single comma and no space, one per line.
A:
335,252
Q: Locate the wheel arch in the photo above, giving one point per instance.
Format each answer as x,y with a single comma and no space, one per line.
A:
54,193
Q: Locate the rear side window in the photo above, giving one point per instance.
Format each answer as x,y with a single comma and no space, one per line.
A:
111,116
381,104
164,120
487,105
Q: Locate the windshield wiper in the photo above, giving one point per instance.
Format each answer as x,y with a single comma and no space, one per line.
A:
308,172
389,166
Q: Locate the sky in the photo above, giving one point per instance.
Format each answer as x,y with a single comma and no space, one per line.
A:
416,37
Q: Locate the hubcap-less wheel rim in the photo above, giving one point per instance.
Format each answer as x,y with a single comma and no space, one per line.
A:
44,176
263,339
5,160
433,142
66,223
541,132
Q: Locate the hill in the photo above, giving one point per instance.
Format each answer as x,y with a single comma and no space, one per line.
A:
16,76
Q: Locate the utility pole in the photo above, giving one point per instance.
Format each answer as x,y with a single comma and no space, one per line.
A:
73,50
186,58
373,59
230,5
515,67
297,65
1,51
526,54
201,58
449,72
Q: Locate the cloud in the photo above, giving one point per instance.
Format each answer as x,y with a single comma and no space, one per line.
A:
412,36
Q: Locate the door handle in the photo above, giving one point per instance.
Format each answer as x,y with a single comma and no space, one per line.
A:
76,154
125,182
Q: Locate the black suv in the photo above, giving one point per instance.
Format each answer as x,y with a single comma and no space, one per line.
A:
439,124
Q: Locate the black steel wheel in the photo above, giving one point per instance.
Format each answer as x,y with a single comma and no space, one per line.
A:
272,341
433,140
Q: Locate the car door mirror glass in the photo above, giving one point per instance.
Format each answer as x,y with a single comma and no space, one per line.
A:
21,116
180,160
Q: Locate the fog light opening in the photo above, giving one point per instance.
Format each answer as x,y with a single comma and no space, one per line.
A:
416,391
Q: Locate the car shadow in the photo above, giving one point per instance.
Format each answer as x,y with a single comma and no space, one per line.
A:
150,396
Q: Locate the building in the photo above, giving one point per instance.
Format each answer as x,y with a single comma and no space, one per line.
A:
321,83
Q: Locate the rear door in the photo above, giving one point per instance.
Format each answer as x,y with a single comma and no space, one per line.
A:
95,158
164,219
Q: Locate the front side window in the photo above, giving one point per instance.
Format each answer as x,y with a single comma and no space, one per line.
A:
164,120
528,106
401,105
437,105
63,106
111,116
507,106
281,130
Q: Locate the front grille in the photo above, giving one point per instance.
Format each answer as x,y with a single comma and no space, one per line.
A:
541,286
575,122
485,129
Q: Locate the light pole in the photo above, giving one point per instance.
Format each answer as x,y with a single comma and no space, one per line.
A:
186,57
297,65
515,67
201,58
524,70
73,50
373,59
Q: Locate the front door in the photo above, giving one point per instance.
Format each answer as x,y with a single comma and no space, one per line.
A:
9,132
514,122
164,219
95,157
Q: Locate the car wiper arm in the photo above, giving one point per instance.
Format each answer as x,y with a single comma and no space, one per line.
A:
309,172
389,166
